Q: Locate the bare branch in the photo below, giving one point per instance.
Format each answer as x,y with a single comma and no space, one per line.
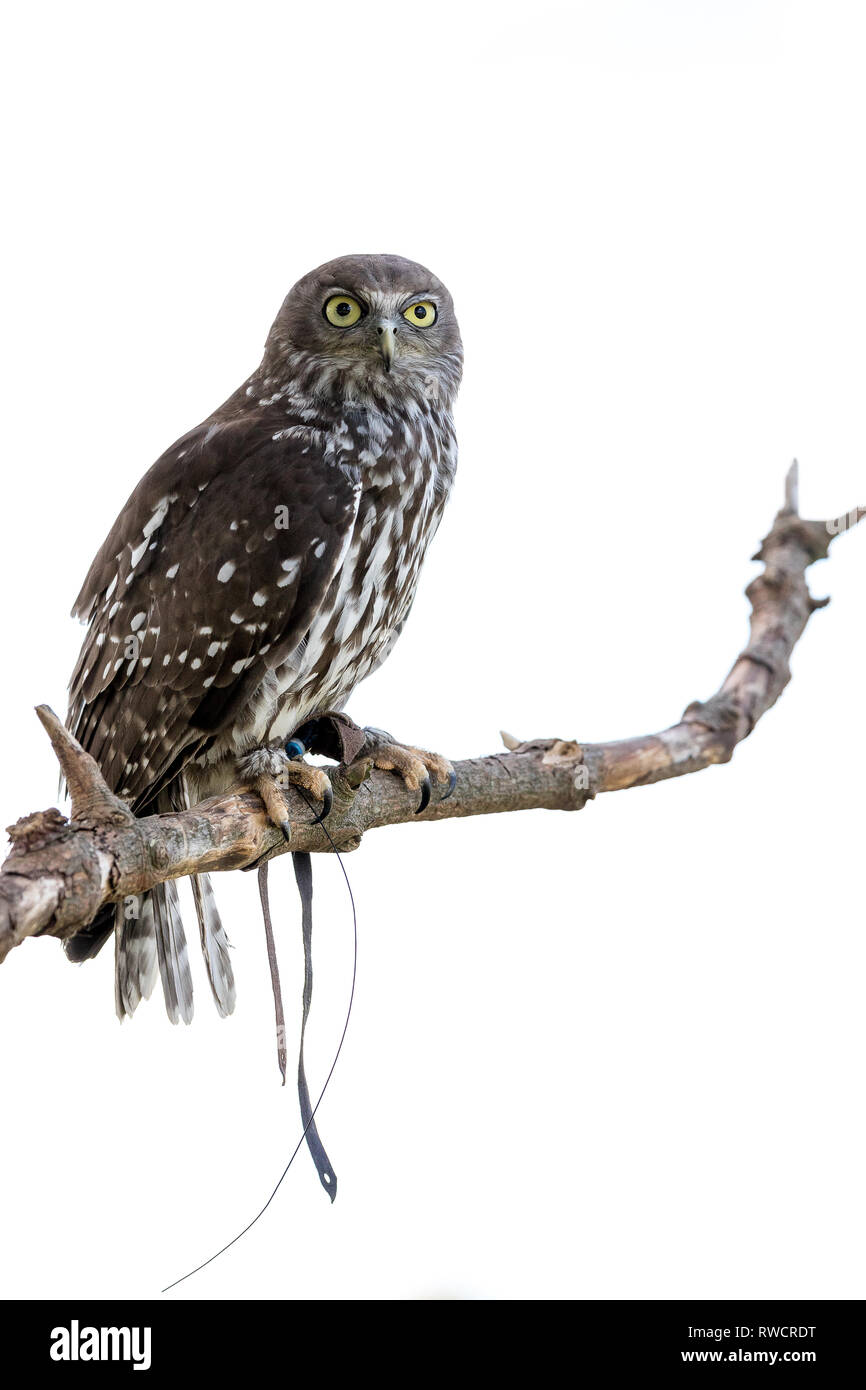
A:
59,872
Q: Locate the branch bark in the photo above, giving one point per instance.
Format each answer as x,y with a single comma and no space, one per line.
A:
60,872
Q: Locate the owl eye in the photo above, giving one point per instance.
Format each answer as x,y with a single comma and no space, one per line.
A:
342,310
422,314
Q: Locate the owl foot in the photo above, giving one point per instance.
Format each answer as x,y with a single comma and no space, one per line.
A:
267,771
418,768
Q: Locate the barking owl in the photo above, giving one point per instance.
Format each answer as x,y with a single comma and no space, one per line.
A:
264,566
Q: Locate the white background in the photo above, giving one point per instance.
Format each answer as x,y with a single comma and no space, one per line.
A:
610,1055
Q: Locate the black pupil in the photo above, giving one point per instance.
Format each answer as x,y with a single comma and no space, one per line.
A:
344,308
420,311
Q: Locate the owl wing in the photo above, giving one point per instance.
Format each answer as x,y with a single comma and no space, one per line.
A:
212,573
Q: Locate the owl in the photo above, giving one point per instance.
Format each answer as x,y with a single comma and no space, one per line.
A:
262,567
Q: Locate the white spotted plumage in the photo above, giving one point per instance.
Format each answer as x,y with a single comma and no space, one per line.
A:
267,562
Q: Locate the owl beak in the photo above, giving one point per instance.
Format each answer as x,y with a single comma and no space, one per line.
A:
387,343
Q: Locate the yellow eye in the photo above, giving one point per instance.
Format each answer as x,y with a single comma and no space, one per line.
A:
342,310
422,314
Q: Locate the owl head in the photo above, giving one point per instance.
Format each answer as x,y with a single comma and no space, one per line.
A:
368,326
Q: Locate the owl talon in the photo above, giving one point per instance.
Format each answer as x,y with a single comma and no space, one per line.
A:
268,771
418,768
426,789
327,803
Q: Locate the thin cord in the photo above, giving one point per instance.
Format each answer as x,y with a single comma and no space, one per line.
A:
261,1213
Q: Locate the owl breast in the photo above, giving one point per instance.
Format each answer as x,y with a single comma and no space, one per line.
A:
407,465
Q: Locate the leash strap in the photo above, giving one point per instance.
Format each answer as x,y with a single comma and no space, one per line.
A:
275,970
304,878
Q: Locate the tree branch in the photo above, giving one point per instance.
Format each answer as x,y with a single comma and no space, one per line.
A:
59,872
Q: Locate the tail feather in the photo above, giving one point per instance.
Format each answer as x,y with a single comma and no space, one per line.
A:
135,954
149,937
172,952
88,943
214,945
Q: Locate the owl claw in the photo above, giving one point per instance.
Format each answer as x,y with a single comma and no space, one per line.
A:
327,803
418,768
426,789
268,771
